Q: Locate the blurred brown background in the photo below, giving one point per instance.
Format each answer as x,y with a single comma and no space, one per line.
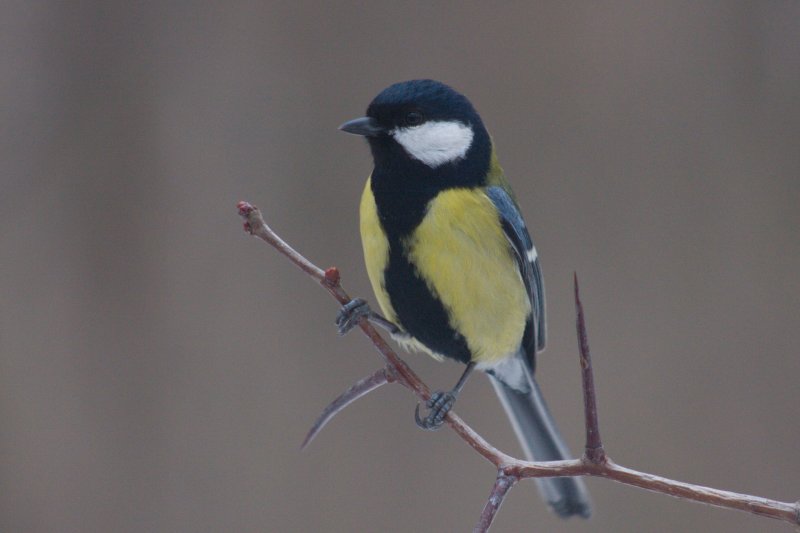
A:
158,368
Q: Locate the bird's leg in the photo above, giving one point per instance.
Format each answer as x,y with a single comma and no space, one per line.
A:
351,313
441,402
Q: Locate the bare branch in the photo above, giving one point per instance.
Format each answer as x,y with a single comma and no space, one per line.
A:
595,461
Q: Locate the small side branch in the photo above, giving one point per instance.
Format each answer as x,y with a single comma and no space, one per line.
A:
502,485
595,462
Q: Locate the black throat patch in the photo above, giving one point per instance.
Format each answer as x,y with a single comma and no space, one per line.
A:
403,188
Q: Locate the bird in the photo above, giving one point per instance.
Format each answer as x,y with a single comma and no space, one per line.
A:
452,264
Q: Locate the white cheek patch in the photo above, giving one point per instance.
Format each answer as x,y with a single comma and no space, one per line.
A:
435,143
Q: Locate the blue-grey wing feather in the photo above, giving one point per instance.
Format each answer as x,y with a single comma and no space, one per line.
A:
528,263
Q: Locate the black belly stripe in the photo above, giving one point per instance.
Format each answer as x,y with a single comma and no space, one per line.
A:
419,311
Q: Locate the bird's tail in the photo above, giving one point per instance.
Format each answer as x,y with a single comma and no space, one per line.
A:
541,441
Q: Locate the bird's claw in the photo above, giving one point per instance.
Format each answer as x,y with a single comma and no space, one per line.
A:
350,314
439,404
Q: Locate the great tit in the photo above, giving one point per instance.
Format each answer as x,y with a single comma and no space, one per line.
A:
452,264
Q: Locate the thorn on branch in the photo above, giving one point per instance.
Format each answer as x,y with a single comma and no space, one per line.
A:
364,386
593,452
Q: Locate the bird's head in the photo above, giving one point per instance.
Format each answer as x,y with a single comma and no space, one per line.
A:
424,122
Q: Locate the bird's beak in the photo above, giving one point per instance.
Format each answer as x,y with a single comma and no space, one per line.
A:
366,126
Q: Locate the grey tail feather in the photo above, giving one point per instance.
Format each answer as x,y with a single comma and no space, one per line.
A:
541,441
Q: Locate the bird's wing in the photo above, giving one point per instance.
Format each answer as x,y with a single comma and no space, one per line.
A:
528,263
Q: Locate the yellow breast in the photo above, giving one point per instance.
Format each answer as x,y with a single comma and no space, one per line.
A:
461,251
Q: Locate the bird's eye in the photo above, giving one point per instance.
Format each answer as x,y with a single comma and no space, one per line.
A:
413,118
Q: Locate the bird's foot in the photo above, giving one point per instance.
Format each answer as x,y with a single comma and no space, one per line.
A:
351,313
439,404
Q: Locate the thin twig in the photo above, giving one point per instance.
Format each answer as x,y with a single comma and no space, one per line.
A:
595,461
